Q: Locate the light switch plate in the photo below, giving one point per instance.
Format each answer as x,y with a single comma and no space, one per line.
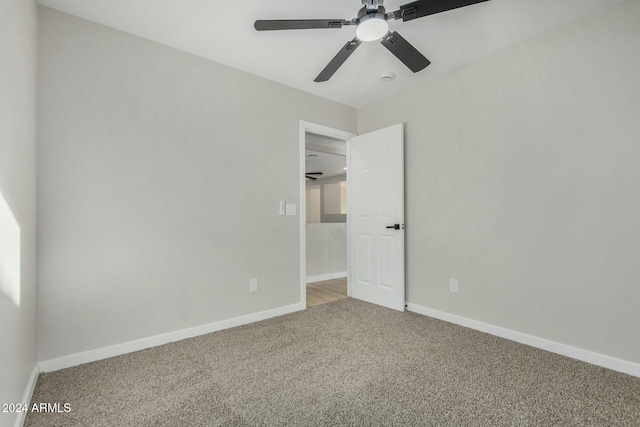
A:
283,205
291,209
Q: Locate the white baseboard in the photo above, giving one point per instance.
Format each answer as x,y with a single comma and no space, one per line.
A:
28,394
533,341
141,344
323,277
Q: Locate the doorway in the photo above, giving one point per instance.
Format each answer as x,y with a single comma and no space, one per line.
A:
323,214
375,226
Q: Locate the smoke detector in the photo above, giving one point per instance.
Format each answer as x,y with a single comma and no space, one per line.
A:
387,77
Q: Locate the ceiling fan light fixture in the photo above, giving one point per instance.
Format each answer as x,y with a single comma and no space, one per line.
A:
372,27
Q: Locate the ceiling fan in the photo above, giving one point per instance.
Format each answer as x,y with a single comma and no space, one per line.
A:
371,24
313,178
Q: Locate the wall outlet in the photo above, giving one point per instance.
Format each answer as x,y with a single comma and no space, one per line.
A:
291,209
453,285
253,285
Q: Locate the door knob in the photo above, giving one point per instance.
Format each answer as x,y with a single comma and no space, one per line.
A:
395,226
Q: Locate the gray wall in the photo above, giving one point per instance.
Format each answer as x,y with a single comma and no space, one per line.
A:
160,176
522,182
18,49
326,249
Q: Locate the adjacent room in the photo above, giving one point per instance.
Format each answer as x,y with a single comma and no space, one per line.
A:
303,213
326,218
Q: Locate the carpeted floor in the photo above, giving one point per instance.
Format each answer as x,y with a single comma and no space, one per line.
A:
342,363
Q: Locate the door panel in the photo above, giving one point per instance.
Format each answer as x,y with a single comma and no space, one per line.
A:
376,191
364,259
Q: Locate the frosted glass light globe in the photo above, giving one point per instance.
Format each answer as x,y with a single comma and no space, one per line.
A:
372,29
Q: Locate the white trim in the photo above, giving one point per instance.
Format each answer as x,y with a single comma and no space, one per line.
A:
332,133
28,394
609,362
141,344
329,276
349,219
325,131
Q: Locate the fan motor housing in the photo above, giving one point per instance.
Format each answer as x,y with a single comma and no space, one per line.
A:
366,13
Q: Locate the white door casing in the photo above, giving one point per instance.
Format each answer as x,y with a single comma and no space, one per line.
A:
376,202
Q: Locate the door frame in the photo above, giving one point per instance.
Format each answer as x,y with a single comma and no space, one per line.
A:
331,133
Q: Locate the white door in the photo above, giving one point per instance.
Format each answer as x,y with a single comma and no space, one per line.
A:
376,217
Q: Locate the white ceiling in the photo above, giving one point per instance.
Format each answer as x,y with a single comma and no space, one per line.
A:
222,31
327,163
326,155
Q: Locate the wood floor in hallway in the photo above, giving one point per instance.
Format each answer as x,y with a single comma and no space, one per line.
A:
326,291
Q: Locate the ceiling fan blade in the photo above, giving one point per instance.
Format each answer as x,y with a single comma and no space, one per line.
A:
314,173
310,177
405,52
298,24
338,60
420,8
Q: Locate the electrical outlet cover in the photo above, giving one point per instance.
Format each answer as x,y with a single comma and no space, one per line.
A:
453,285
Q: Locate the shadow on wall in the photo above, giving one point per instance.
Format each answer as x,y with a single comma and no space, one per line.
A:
9,253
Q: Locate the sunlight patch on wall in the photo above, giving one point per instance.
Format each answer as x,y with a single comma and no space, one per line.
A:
9,253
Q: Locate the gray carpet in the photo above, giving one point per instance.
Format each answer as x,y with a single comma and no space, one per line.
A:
342,363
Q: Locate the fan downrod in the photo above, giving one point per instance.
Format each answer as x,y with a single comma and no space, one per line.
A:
372,4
